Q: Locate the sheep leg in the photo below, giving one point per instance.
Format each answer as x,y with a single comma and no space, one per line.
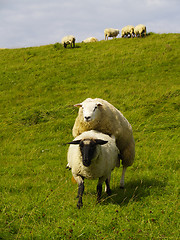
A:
107,186
122,177
80,181
99,191
99,188
80,193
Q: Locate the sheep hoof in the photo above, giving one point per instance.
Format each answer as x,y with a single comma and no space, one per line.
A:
109,192
79,205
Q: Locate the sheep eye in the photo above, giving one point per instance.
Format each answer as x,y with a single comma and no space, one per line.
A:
95,108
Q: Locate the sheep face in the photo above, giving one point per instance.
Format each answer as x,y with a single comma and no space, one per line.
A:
88,149
90,110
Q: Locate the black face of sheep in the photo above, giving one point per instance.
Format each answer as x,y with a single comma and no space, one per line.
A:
88,148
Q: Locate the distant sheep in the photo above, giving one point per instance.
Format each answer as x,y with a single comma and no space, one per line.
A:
102,116
139,30
90,39
110,32
129,29
92,155
70,39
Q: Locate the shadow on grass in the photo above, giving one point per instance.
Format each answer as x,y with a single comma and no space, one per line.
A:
71,48
59,46
134,191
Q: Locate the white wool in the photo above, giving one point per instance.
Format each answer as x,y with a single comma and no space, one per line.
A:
129,29
90,39
104,161
110,32
102,116
70,39
139,29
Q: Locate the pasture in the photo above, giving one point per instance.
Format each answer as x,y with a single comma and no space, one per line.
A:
38,88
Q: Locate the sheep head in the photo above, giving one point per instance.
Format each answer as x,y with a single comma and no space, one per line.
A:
90,109
88,149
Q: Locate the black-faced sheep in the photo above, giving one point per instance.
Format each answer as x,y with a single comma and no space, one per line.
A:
70,39
92,155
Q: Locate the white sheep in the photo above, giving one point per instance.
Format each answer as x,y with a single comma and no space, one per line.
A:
139,30
102,116
110,32
70,39
92,155
129,29
90,39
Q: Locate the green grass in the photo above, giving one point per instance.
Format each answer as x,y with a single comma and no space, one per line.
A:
38,87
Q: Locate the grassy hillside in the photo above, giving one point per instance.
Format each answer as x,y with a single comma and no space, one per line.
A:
38,88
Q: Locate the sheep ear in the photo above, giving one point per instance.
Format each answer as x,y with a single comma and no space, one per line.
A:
78,105
100,142
74,142
99,104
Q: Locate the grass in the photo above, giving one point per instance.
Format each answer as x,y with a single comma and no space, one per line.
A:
38,87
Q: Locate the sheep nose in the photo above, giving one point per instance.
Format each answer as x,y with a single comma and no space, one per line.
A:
87,119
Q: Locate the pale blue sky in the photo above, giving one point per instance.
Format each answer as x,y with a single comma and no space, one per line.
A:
25,23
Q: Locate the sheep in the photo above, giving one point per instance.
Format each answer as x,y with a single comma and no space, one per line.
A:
129,29
139,30
90,39
92,155
102,116
110,32
70,39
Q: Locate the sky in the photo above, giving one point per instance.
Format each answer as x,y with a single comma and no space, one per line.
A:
28,23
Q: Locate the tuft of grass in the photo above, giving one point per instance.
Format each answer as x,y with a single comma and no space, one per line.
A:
38,88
